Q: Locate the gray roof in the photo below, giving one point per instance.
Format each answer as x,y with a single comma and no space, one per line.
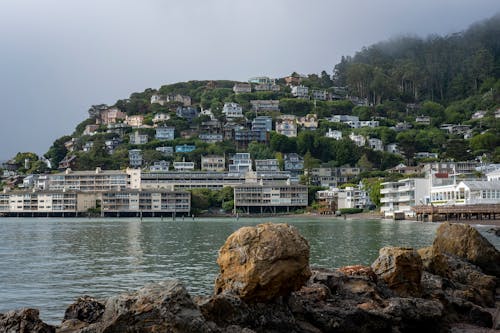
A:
482,184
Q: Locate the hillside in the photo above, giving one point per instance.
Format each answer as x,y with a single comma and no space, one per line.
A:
432,98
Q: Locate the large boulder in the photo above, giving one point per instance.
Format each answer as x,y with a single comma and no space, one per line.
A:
158,307
463,241
263,262
401,269
24,321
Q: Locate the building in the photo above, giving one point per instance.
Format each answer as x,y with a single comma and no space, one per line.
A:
146,203
308,122
392,148
320,95
351,197
88,146
90,129
265,105
267,87
165,133
467,192
294,164
111,116
269,198
111,144
232,110
423,120
243,136
167,151
240,88
262,123
287,125
261,80
213,163
240,163
135,158
292,80
401,196
159,166
493,175
161,117
135,121
334,134
183,166
479,114
300,92
211,137
376,144
91,181
162,100
369,123
332,177
138,139
359,140
187,112
185,148
270,165
425,154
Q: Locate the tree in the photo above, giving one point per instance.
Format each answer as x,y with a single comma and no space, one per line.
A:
57,151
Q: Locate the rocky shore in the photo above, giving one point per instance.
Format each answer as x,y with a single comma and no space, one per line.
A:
266,285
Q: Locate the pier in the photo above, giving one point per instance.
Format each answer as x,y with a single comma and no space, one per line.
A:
476,212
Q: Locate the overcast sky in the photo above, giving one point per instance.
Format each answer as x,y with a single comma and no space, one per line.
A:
59,57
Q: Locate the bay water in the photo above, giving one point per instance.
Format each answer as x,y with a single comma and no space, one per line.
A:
47,263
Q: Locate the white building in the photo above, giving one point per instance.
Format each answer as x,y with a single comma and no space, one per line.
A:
467,192
351,197
159,166
359,140
493,175
369,123
138,139
287,125
334,134
300,91
376,144
159,117
400,196
270,165
240,163
232,110
183,166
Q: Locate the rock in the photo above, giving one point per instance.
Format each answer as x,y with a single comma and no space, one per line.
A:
401,269
463,241
24,321
408,314
85,309
157,307
263,262
467,280
361,271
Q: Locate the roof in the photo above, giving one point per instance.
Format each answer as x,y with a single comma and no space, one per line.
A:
481,184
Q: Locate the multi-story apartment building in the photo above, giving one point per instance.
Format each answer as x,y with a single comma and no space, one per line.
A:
160,166
262,123
270,165
240,163
90,181
138,139
401,196
269,198
213,163
135,158
300,91
232,110
294,164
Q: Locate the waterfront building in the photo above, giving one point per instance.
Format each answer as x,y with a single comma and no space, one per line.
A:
269,198
232,110
401,196
351,197
165,133
467,192
89,181
213,163
146,202
135,158
287,125
138,139
493,175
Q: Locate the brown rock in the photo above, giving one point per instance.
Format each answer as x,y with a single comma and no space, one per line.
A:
24,321
401,269
263,262
359,270
86,309
464,241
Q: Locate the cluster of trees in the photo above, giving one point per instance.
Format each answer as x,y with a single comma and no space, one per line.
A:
439,68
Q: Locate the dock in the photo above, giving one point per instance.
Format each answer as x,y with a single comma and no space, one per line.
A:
477,212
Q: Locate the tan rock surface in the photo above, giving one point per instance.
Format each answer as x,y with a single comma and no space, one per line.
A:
263,262
401,268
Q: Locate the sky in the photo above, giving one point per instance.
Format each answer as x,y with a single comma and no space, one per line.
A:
59,57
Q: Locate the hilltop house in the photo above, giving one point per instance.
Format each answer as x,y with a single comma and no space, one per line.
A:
287,125
165,133
232,110
240,88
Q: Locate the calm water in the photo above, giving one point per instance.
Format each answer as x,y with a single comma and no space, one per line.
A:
48,263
